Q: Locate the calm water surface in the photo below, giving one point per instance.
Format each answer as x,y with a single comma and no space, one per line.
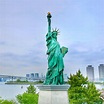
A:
10,91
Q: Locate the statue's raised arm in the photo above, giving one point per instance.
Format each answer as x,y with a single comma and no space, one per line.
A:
49,21
49,34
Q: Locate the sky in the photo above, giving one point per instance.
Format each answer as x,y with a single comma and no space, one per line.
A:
23,26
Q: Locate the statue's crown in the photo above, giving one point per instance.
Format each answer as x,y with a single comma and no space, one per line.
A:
56,30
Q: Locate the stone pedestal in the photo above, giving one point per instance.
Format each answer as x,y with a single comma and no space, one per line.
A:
53,94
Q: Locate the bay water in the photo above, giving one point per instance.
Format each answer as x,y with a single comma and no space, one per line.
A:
11,91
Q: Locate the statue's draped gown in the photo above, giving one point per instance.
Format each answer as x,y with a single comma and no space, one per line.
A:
55,61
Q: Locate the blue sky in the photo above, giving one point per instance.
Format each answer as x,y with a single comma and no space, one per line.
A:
23,26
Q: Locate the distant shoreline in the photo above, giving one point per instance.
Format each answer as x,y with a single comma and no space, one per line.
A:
23,82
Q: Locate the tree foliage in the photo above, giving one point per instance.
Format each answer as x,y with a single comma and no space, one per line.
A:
81,91
2,101
18,80
77,80
29,97
92,94
31,89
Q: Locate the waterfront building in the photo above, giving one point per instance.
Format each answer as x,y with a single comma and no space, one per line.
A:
32,75
90,72
36,75
101,71
27,75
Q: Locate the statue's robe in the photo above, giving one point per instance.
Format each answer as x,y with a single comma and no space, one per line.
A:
54,74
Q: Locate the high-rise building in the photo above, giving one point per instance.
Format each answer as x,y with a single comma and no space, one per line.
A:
101,71
36,75
32,75
27,75
90,72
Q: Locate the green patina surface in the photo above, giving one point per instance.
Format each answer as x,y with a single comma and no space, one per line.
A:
54,75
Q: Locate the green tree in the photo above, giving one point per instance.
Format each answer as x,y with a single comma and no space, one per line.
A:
76,91
81,91
28,97
31,89
2,101
18,80
77,80
92,94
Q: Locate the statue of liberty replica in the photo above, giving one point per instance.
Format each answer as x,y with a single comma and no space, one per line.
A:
54,91
54,75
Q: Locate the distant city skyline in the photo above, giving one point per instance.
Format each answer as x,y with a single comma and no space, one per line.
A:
23,26
90,72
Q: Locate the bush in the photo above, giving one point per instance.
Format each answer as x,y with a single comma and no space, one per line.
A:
81,91
18,80
31,89
29,97
2,101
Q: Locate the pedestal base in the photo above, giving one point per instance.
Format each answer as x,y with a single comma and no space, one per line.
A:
53,94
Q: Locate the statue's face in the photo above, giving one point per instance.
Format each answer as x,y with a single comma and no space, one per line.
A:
54,35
